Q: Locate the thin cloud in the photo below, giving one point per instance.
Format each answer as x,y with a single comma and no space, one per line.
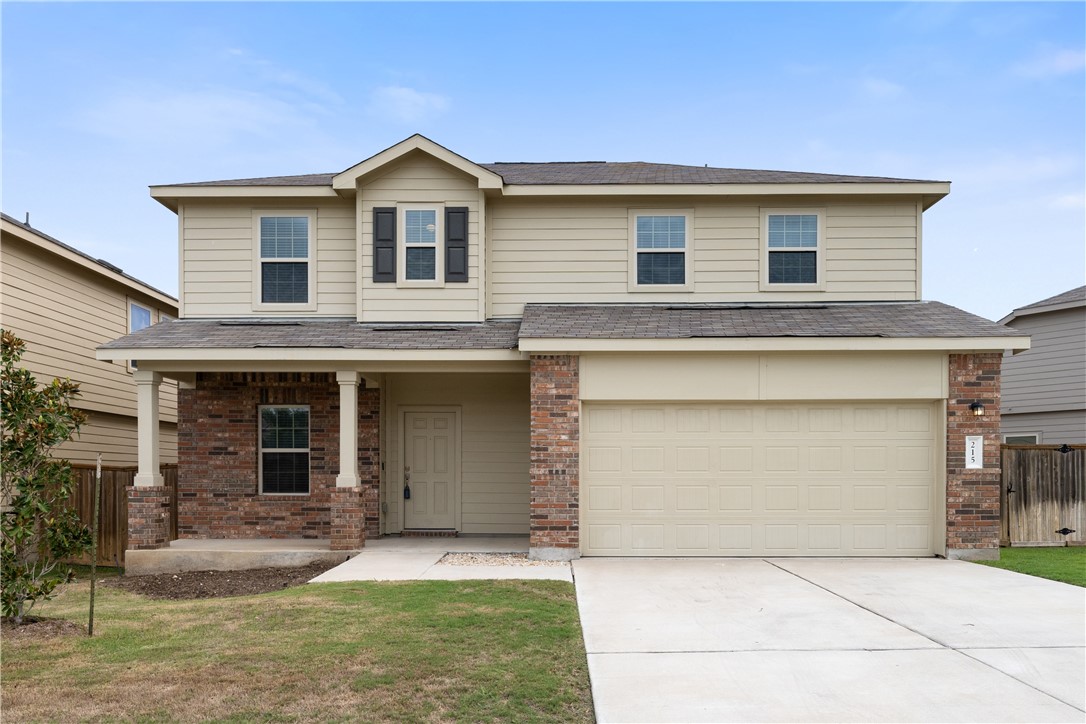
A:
881,88
210,116
1051,63
406,104
1069,201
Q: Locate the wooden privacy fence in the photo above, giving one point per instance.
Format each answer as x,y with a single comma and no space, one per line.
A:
113,513
1043,493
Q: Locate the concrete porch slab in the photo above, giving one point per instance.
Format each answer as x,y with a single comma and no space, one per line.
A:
191,554
412,559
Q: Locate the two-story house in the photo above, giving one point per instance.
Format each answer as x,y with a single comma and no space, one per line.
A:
64,303
611,358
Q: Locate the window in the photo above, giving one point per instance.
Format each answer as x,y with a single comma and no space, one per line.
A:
284,450
284,254
792,249
420,244
660,257
139,317
1031,438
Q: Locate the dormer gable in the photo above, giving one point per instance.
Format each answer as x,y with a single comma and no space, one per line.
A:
347,181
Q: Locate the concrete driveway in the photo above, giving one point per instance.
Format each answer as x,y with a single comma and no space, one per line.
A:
685,640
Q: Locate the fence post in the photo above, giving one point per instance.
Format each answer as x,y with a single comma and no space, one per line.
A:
94,540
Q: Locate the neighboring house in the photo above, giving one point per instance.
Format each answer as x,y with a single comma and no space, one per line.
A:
611,358
1044,389
64,304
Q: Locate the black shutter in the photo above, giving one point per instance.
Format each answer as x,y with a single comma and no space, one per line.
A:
384,245
456,245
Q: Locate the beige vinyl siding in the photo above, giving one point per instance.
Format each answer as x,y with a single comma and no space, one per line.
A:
420,179
1055,428
114,436
494,418
63,313
566,250
217,268
1051,375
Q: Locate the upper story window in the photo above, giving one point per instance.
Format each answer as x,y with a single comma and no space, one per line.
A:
660,258
420,234
285,269
139,317
420,245
792,249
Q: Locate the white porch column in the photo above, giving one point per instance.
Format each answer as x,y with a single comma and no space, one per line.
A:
147,384
348,429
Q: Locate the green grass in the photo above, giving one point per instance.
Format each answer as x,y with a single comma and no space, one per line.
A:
1058,564
415,651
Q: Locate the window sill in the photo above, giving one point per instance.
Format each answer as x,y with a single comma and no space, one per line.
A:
419,284
657,288
768,287
306,307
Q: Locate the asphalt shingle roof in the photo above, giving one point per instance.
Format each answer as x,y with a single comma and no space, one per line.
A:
579,321
682,321
1074,295
252,334
599,172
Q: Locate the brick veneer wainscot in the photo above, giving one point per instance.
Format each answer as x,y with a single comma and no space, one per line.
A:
972,496
555,461
217,446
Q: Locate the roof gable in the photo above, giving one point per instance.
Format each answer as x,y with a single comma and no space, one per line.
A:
346,180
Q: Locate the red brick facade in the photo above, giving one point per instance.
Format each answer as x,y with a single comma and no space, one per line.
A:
218,449
148,517
555,441
972,495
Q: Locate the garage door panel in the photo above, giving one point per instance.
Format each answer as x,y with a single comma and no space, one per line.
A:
774,479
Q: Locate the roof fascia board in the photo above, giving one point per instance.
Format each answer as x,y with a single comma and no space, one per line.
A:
1041,310
168,196
305,354
346,180
52,247
186,369
934,190
777,344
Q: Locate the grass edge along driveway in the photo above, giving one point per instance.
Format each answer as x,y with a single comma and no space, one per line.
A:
1065,564
412,651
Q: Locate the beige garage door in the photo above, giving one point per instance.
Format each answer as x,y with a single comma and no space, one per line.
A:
758,479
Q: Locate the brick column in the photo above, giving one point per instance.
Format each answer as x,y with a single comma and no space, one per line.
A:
555,458
972,495
148,517
347,523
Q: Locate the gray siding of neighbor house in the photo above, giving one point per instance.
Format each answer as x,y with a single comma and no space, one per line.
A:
1054,428
1044,388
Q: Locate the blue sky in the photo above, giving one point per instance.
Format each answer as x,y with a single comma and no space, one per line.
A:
102,100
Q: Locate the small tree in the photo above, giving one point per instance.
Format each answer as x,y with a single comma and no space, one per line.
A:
39,526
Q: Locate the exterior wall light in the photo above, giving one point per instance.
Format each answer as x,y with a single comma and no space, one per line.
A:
977,409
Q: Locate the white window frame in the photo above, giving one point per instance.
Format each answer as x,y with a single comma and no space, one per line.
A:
261,449
687,251
129,303
310,260
439,246
1036,438
820,250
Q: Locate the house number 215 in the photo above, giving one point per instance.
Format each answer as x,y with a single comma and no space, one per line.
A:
974,451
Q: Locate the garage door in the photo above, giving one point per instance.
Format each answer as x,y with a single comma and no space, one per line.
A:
758,479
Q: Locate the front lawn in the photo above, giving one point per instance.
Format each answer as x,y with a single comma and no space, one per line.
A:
413,651
1059,564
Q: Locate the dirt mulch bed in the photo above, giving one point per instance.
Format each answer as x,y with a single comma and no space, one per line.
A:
216,584
38,628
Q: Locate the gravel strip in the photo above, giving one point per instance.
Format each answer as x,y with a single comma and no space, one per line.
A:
493,559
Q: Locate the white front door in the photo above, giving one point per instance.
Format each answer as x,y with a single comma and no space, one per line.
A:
431,455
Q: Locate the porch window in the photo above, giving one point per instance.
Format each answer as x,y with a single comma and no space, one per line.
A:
284,450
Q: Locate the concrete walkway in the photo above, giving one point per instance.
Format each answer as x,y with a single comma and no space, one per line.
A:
416,559
829,640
